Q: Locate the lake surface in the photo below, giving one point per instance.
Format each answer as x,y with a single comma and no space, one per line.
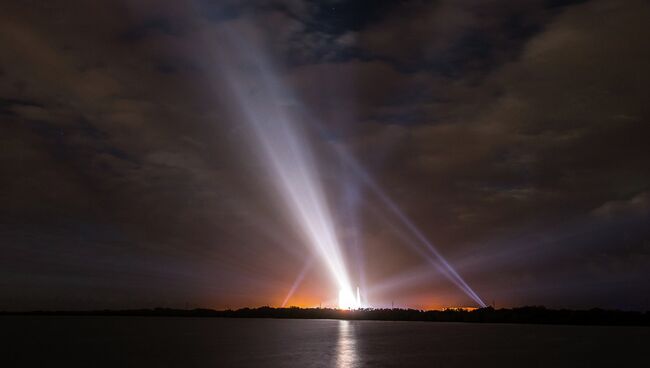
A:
216,342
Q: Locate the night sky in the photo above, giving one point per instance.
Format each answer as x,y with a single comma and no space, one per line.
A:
514,134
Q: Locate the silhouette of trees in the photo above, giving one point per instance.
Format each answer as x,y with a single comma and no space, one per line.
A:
529,314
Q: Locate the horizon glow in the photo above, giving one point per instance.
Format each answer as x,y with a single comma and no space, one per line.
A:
298,281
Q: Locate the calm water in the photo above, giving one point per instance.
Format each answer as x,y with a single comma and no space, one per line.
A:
214,342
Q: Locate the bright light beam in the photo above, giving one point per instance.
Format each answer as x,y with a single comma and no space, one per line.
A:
434,256
263,104
298,280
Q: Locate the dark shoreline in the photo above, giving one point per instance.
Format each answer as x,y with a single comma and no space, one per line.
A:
522,315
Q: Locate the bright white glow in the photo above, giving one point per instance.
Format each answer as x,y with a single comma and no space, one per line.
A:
347,300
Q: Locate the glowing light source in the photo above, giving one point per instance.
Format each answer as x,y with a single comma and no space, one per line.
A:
347,299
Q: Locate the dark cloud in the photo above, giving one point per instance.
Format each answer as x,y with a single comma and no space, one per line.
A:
514,134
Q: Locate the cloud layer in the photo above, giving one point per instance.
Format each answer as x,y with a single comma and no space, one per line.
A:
514,135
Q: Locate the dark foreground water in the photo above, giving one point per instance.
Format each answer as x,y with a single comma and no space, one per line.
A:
215,342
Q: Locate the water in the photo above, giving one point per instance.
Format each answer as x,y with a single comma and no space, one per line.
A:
216,342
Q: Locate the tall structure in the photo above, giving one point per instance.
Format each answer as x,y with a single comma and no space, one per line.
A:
358,299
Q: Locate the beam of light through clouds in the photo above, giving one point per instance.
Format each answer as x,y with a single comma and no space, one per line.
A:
515,131
264,104
432,255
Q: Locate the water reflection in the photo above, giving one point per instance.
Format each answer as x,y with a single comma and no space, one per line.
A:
346,346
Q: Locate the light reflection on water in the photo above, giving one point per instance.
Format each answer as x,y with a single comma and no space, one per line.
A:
226,342
346,346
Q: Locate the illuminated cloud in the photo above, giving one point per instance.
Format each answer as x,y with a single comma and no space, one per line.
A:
512,134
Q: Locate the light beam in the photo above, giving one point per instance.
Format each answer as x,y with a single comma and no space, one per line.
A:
298,280
432,255
264,105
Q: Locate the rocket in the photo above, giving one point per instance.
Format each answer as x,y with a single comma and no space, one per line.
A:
358,299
